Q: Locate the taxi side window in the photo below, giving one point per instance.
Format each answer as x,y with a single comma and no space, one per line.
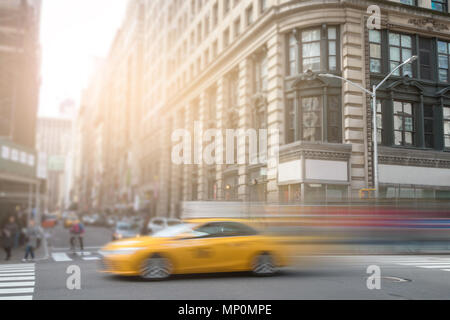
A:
234,229
224,229
208,230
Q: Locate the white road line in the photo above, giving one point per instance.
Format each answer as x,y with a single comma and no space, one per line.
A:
423,263
17,274
445,269
67,249
17,267
17,270
18,290
91,258
17,298
418,261
2,279
445,266
17,284
83,253
60,257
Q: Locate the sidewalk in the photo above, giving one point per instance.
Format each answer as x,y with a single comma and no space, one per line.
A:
18,254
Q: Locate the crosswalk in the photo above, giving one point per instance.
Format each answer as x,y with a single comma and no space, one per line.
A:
70,256
431,263
17,281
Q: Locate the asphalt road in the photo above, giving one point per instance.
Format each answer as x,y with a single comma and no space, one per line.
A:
321,277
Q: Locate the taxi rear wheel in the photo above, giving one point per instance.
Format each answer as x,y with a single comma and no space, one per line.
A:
263,265
156,268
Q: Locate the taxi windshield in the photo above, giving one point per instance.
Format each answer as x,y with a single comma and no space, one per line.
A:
174,231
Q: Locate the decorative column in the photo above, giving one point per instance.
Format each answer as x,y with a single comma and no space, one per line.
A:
187,169
164,169
176,178
220,120
275,112
353,99
244,102
202,167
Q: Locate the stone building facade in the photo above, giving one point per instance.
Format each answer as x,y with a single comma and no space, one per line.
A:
242,64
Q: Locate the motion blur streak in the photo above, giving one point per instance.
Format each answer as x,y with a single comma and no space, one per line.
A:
375,228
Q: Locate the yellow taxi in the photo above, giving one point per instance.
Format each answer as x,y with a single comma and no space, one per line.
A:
196,246
70,220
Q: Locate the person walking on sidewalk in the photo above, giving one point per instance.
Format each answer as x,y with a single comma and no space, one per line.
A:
76,231
8,234
33,235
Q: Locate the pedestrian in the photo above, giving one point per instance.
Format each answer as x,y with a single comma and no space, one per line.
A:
76,231
33,235
8,235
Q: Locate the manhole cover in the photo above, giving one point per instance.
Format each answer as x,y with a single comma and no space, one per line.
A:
396,279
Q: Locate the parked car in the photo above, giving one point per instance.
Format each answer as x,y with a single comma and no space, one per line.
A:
49,221
99,219
125,230
111,221
87,219
158,224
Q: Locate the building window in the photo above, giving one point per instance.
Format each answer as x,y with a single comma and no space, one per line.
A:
425,54
403,124
439,5
400,49
233,90
375,50
262,5
311,50
237,28
428,123
446,114
409,2
260,73
249,14
226,7
312,115
292,54
226,38
332,48
290,121
316,50
334,119
215,15
444,56
379,122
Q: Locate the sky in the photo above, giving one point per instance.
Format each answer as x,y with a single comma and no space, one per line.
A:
73,34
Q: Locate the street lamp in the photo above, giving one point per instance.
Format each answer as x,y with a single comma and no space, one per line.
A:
373,94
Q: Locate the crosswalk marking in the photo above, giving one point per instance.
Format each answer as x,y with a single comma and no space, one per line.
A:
17,281
423,263
91,258
16,290
17,284
16,270
17,298
446,266
60,257
2,279
87,253
23,265
65,257
432,263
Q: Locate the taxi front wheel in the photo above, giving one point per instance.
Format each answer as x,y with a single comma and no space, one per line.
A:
156,268
263,265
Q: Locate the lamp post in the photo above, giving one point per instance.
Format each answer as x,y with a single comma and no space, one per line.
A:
373,94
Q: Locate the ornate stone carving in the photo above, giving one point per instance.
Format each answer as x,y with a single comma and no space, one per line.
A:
429,23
